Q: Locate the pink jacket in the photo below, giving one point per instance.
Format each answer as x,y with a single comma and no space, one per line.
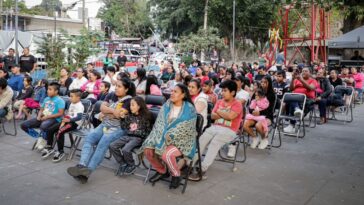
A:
262,104
96,90
359,78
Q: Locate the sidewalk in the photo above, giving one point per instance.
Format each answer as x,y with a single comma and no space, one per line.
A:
324,168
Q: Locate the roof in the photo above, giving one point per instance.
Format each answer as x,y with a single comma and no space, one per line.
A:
352,39
50,18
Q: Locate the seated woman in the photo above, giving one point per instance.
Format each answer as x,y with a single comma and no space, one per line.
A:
115,108
173,135
358,78
323,91
91,88
201,75
266,85
177,79
64,80
111,77
141,81
152,87
169,75
199,99
79,80
208,88
303,84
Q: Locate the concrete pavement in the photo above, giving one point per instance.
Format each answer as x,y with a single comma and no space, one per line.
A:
324,168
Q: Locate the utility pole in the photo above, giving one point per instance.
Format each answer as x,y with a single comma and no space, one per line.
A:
1,15
83,12
16,33
234,31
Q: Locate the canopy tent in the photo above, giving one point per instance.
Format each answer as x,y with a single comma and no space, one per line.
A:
353,39
7,40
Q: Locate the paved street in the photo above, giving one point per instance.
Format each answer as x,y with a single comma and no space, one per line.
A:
324,168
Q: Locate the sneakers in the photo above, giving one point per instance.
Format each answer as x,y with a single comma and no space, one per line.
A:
47,152
129,170
120,171
79,170
175,182
263,143
255,141
157,176
231,151
41,143
297,112
196,177
58,156
289,129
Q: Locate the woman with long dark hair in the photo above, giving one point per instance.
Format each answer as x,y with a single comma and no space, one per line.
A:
141,81
152,87
266,84
113,110
173,136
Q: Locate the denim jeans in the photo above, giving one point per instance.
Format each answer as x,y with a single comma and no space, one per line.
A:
42,125
292,106
3,113
92,158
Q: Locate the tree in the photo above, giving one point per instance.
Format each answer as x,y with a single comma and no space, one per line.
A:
84,45
177,17
52,49
127,17
202,40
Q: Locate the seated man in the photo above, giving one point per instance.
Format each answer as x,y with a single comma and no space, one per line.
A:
346,77
227,114
6,95
304,84
16,79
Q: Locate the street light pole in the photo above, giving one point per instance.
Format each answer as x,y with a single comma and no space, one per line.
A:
16,33
234,31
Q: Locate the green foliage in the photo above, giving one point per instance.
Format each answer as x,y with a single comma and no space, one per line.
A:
84,46
51,48
128,18
46,8
10,4
202,40
177,17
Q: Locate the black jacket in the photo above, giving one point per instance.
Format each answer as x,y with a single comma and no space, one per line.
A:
325,85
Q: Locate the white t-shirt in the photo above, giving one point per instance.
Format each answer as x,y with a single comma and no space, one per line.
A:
90,86
140,86
74,109
242,95
107,79
203,98
77,83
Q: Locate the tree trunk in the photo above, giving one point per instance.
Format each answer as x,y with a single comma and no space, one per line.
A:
205,26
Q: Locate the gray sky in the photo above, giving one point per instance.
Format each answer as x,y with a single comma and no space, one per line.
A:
92,5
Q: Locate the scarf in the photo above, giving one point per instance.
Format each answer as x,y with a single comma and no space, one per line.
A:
182,131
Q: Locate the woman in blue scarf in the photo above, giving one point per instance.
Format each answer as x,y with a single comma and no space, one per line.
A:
173,135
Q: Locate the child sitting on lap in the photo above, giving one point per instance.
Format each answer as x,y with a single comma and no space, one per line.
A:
138,125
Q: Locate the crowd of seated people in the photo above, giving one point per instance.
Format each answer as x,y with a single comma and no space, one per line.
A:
243,98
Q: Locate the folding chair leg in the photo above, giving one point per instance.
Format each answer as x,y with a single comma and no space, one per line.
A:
147,176
188,170
8,133
74,148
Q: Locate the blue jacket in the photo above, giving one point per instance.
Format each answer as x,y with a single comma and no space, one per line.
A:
16,82
40,94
